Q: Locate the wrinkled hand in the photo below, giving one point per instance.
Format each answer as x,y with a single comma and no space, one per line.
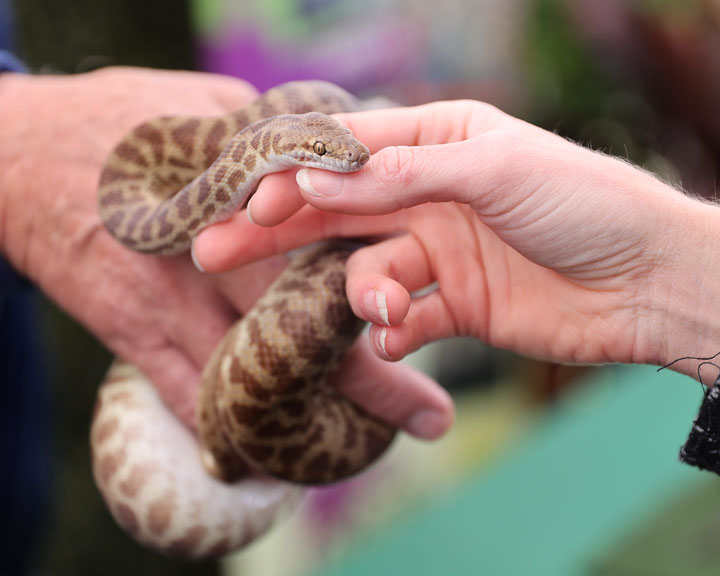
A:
537,245
160,314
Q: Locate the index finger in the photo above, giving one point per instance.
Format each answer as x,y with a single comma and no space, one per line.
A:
434,123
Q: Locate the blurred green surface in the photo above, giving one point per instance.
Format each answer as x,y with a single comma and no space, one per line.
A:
593,473
680,539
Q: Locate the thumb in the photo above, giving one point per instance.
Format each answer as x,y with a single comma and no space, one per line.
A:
397,177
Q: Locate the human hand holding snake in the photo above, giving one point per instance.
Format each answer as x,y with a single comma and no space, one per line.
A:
59,130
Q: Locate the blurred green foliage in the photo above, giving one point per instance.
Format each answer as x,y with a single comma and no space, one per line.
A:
688,7
77,36
566,84
589,94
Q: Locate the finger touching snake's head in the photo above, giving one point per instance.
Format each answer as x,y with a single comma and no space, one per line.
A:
319,141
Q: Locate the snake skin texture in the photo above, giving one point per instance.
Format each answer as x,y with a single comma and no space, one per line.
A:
266,410
172,177
268,381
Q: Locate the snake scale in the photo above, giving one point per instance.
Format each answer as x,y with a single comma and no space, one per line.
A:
265,408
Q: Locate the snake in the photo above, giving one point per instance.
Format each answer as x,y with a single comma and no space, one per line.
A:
267,420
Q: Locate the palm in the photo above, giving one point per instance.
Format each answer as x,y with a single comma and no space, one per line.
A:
488,290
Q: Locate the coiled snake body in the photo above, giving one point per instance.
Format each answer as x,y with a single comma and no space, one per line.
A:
265,406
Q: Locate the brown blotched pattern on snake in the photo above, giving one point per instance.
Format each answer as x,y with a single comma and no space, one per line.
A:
281,416
172,177
265,405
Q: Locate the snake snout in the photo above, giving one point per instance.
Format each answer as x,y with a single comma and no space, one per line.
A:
357,156
363,157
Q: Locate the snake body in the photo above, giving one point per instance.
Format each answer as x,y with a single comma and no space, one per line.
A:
147,466
172,177
265,406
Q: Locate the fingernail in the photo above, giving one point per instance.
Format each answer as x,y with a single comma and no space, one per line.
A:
375,304
380,337
427,424
323,184
194,258
248,213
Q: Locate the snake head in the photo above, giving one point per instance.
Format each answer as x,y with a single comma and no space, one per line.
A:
319,141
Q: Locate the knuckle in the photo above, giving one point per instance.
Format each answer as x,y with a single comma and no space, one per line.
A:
395,166
485,112
504,151
501,142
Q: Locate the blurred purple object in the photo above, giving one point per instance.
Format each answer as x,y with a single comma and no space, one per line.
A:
357,58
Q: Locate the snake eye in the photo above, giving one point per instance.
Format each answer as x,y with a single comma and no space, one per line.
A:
319,148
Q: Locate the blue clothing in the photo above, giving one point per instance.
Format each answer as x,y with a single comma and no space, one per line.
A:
10,63
5,25
24,424
24,409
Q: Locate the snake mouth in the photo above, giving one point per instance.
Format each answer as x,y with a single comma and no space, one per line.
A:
333,164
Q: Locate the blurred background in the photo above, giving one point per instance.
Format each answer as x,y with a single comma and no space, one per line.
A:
549,470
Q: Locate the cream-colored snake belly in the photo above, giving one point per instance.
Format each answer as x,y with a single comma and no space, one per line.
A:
265,407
